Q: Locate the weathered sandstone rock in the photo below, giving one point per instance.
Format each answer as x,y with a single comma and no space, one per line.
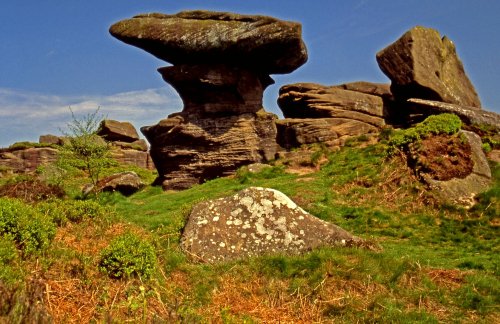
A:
113,130
221,66
193,37
463,190
51,139
468,115
139,145
310,100
294,132
253,222
382,90
27,160
422,64
140,159
190,149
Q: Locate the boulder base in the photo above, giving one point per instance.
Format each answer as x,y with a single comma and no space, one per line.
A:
191,149
253,222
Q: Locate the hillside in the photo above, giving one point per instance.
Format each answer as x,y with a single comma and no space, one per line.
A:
435,262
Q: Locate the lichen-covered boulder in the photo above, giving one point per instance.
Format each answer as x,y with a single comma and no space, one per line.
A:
193,37
422,64
257,221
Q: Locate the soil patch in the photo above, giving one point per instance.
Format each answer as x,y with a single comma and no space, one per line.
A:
443,157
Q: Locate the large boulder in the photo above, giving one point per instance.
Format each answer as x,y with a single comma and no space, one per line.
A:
253,222
191,149
193,37
422,64
113,130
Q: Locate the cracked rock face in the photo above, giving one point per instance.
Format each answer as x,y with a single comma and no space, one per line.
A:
422,64
191,37
253,222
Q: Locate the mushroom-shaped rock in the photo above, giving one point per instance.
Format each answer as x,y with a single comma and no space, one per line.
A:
422,64
264,43
257,221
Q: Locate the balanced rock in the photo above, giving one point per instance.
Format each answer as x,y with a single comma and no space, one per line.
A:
113,130
422,64
221,66
253,222
194,37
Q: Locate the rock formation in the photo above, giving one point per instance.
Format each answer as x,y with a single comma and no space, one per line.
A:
317,113
257,221
422,64
126,148
221,66
462,190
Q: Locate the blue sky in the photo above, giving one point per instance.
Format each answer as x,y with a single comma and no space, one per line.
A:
55,53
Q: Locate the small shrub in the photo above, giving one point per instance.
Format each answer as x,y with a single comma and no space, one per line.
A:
62,211
128,256
31,190
432,125
31,230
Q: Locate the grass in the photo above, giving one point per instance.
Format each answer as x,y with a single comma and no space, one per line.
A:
439,263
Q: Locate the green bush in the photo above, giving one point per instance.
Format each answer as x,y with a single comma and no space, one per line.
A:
432,125
127,256
31,230
62,211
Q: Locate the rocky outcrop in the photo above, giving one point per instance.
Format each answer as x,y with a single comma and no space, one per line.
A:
317,113
253,222
27,160
462,190
422,64
221,66
113,131
468,115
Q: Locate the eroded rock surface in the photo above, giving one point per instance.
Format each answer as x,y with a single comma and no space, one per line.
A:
253,222
191,37
221,66
316,113
189,149
422,64
27,160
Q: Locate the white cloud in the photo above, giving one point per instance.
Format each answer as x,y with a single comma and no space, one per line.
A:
24,116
